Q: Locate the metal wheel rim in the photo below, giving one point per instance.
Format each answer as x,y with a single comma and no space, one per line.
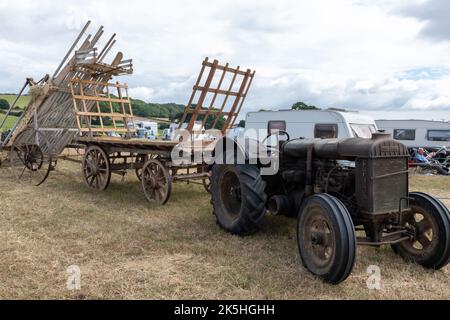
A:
230,191
318,239
425,231
156,182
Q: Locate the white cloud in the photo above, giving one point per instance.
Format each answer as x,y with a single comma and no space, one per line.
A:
346,53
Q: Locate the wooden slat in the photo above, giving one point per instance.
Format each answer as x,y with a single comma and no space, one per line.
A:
218,115
191,99
243,99
103,114
228,69
104,99
104,130
217,91
237,101
202,97
104,84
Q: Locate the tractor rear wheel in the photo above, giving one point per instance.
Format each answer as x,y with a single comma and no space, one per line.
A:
429,221
326,238
238,197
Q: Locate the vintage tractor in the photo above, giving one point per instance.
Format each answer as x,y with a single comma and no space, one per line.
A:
337,188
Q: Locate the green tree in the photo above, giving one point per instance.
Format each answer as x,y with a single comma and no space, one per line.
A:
303,106
4,104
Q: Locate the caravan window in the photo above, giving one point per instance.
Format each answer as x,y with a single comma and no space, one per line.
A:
274,125
363,130
326,131
405,134
438,135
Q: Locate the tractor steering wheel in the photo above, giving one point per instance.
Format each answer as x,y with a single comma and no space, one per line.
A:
278,133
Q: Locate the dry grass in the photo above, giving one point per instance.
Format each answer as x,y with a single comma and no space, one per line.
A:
127,249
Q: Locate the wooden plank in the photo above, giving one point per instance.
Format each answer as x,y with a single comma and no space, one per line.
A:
228,69
218,115
211,105
243,99
191,99
104,99
84,107
103,114
100,83
93,129
202,97
216,91
132,141
237,100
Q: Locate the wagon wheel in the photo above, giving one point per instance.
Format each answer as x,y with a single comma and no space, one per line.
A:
142,159
29,158
96,168
156,182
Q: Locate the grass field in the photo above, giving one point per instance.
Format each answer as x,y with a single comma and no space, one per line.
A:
22,103
10,121
128,249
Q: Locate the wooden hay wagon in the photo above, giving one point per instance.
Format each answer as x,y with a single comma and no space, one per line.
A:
80,105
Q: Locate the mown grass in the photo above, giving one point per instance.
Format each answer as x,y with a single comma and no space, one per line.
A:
128,249
9,123
22,103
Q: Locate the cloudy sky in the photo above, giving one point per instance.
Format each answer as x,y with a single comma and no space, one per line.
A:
390,59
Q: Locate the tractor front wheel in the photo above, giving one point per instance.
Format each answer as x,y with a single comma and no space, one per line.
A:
326,238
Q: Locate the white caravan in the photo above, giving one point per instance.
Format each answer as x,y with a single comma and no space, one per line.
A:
418,133
312,123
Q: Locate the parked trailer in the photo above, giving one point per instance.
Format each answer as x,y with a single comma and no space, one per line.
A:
80,106
418,133
312,123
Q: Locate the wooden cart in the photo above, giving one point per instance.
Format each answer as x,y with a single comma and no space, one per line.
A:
152,160
81,105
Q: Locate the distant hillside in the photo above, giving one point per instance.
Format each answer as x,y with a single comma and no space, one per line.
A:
156,110
23,100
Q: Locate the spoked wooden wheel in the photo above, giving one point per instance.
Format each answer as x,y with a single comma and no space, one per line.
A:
142,159
29,158
156,182
96,168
